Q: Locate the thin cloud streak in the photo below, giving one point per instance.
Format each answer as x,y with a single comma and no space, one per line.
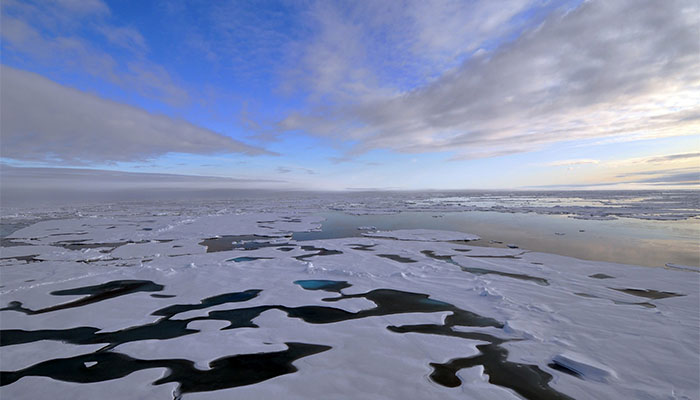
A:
98,178
29,186
286,170
678,158
673,157
566,163
684,177
669,172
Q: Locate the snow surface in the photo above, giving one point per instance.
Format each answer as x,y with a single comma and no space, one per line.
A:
548,309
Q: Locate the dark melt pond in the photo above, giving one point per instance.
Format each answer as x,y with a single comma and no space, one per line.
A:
245,369
242,242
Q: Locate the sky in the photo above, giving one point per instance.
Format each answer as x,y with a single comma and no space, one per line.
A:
351,95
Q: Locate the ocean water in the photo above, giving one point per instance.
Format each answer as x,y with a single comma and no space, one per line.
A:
650,243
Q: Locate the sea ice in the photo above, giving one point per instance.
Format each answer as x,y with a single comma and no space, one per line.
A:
87,297
584,367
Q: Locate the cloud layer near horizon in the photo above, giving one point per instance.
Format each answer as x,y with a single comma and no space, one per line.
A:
98,179
28,186
605,69
45,121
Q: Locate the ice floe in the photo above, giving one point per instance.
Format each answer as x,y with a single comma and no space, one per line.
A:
581,366
139,306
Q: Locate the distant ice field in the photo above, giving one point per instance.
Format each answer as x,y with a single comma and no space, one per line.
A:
650,228
388,296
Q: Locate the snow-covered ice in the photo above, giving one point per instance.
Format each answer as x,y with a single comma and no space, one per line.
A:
139,306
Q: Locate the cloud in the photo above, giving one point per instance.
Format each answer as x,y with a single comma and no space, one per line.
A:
604,69
241,41
101,179
679,158
672,171
43,120
446,30
52,34
84,7
582,186
125,37
28,186
286,170
563,163
688,178
673,157
152,80
367,49
674,176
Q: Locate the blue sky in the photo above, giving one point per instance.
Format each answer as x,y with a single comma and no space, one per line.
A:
358,94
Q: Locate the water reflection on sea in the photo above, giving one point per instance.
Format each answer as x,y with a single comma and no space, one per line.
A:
623,240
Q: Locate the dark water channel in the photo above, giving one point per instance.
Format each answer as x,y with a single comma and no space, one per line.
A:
245,369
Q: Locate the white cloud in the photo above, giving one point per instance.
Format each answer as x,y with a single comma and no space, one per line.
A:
448,30
84,7
50,34
368,50
625,69
43,120
126,37
566,163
